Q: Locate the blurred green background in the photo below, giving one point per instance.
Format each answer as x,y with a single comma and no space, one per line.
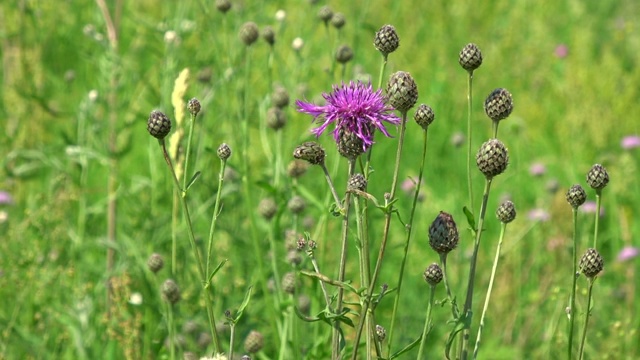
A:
73,110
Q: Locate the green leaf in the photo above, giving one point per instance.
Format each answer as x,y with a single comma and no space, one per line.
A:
244,304
405,349
470,218
213,273
459,326
193,179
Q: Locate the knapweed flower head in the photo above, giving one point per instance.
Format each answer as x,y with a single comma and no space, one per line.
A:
353,108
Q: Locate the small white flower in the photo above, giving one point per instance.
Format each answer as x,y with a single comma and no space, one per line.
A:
135,298
281,15
171,37
297,44
93,95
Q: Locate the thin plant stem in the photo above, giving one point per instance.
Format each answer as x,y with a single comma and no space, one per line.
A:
214,218
196,252
232,338
385,236
363,255
409,227
172,332
597,220
469,137
427,322
343,261
112,24
467,313
454,307
488,296
330,182
586,317
495,128
574,276
383,66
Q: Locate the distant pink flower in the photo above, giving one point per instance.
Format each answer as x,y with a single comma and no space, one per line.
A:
538,215
589,207
457,139
5,198
630,142
408,186
561,51
628,253
537,169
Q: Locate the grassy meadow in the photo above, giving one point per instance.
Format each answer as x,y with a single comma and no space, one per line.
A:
86,196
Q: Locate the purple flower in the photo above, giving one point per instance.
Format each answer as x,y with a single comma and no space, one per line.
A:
628,253
589,207
5,198
537,169
630,142
561,51
355,108
538,215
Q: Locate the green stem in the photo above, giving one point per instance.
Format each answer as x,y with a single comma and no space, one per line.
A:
488,296
343,261
469,133
454,307
574,276
196,252
385,236
467,313
595,231
330,182
232,337
427,322
409,227
586,317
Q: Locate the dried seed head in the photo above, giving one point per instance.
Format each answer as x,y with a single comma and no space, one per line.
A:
424,116
304,303
276,118
269,35
402,91
597,177
576,196
249,33
289,283
443,233
254,342
245,357
155,262
386,40
344,54
194,106
296,204
506,212
338,20
158,124
294,257
381,332
470,57
267,208
170,291
349,144
357,182
492,158
433,274
224,151
591,263
297,168
325,13
280,97
223,5
499,104
310,151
